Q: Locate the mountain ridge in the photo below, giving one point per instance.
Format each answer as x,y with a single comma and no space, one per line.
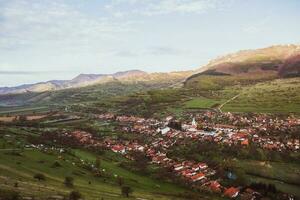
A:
277,60
83,80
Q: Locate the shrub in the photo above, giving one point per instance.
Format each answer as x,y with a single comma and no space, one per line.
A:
75,195
69,181
40,177
9,195
56,164
126,190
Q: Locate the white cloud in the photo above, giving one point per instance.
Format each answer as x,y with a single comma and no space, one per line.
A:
182,6
32,23
153,51
257,26
160,7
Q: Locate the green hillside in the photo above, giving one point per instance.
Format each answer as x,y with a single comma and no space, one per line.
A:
268,96
18,167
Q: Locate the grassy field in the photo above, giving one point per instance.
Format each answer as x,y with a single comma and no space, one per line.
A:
23,110
278,96
21,168
202,103
209,82
257,93
285,176
19,165
133,179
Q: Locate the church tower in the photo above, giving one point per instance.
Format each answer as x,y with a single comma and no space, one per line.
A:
194,123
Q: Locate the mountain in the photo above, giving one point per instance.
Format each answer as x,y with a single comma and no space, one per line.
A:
38,87
291,67
89,87
83,80
265,59
261,64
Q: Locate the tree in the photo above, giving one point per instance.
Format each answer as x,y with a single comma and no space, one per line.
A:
56,164
39,177
175,125
126,190
120,181
97,163
241,177
75,195
141,160
69,181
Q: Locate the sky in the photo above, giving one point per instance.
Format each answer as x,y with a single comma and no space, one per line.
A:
42,40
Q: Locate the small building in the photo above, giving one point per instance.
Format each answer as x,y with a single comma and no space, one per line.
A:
231,192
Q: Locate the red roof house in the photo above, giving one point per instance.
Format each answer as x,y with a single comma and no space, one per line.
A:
231,192
198,177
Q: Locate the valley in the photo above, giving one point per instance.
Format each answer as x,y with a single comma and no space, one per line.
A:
227,130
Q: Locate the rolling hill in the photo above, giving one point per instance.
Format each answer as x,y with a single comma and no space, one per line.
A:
87,87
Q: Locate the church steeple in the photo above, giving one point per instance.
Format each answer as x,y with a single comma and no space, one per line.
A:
194,123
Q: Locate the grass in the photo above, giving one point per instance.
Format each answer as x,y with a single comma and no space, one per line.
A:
285,176
135,180
258,93
23,110
278,96
202,102
21,168
209,82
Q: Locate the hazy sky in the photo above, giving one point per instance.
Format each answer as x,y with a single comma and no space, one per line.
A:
58,39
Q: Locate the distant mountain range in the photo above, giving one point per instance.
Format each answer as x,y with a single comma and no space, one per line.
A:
278,61
83,80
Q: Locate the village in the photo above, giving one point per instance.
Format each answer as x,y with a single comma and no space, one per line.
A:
164,134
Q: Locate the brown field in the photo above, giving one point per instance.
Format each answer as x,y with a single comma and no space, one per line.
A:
29,118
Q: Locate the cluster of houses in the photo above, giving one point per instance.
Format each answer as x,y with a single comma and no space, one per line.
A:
211,128
197,174
225,128
258,131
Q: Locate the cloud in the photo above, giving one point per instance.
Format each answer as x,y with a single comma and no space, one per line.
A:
17,73
4,72
28,23
165,51
257,26
163,7
125,54
151,51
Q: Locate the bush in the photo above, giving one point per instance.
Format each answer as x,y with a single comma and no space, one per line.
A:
9,195
75,195
126,190
56,164
40,177
69,181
